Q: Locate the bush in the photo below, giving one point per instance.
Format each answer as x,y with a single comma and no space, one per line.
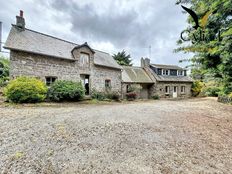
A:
230,95
4,67
155,97
25,90
212,91
62,90
105,95
98,95
196,88
4,81
131,96
113,96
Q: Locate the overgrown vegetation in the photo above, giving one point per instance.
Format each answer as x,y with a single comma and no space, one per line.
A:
196,88
131,96
155,97
4,70
62,90
122,58
213,50
25,90
105,95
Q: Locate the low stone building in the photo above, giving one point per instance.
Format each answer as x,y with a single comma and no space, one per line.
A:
136,78
166,81
49,58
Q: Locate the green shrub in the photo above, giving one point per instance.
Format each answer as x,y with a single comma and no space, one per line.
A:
113,96
196,88
155,97
98,95
212,91
4,67
105,95
131,96
230,95
63,90
4,81
25,90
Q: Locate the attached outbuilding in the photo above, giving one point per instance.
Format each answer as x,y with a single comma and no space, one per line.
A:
136,79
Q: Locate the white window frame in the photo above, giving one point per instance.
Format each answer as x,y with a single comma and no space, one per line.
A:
168,90
182,89
165,72
180,73
84,59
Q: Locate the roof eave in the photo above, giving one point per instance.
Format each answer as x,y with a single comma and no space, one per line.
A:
108,66
15,49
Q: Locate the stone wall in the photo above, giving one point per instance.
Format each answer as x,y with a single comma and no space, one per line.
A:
100,74
136,86
28,64
159,89
142,90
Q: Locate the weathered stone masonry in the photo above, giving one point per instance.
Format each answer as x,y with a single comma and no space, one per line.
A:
40,66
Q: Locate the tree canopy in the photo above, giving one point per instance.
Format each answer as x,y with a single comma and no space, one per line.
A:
4,67
122,58
211,42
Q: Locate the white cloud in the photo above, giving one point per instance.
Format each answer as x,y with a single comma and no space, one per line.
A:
110,26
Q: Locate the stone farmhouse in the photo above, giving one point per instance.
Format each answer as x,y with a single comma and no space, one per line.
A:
49,58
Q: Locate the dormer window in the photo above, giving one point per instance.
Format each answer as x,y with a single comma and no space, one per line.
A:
180,73
165,72
84,59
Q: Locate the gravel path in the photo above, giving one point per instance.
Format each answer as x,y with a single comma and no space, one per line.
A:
187,136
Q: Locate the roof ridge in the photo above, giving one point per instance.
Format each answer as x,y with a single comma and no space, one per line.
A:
164,64
54,37
48,35
132,66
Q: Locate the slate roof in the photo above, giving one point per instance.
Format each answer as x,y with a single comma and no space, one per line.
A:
35,42
174,78
131,74
169,78
167,66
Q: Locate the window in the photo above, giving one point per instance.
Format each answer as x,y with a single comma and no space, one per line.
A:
180,73
165,72
50,80
167,89
84,59
175,89
173,72
182,89
159,71
108,84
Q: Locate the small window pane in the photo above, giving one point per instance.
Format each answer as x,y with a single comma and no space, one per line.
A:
183,89
167,89
107,84
50,80
84,59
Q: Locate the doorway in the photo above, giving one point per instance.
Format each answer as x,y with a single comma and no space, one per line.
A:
85,82
174,91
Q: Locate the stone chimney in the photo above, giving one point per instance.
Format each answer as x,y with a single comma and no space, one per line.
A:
146,62
142,62
20,22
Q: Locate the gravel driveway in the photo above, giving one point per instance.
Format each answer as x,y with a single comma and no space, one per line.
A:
186,136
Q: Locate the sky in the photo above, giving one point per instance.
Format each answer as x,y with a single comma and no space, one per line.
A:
109,25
